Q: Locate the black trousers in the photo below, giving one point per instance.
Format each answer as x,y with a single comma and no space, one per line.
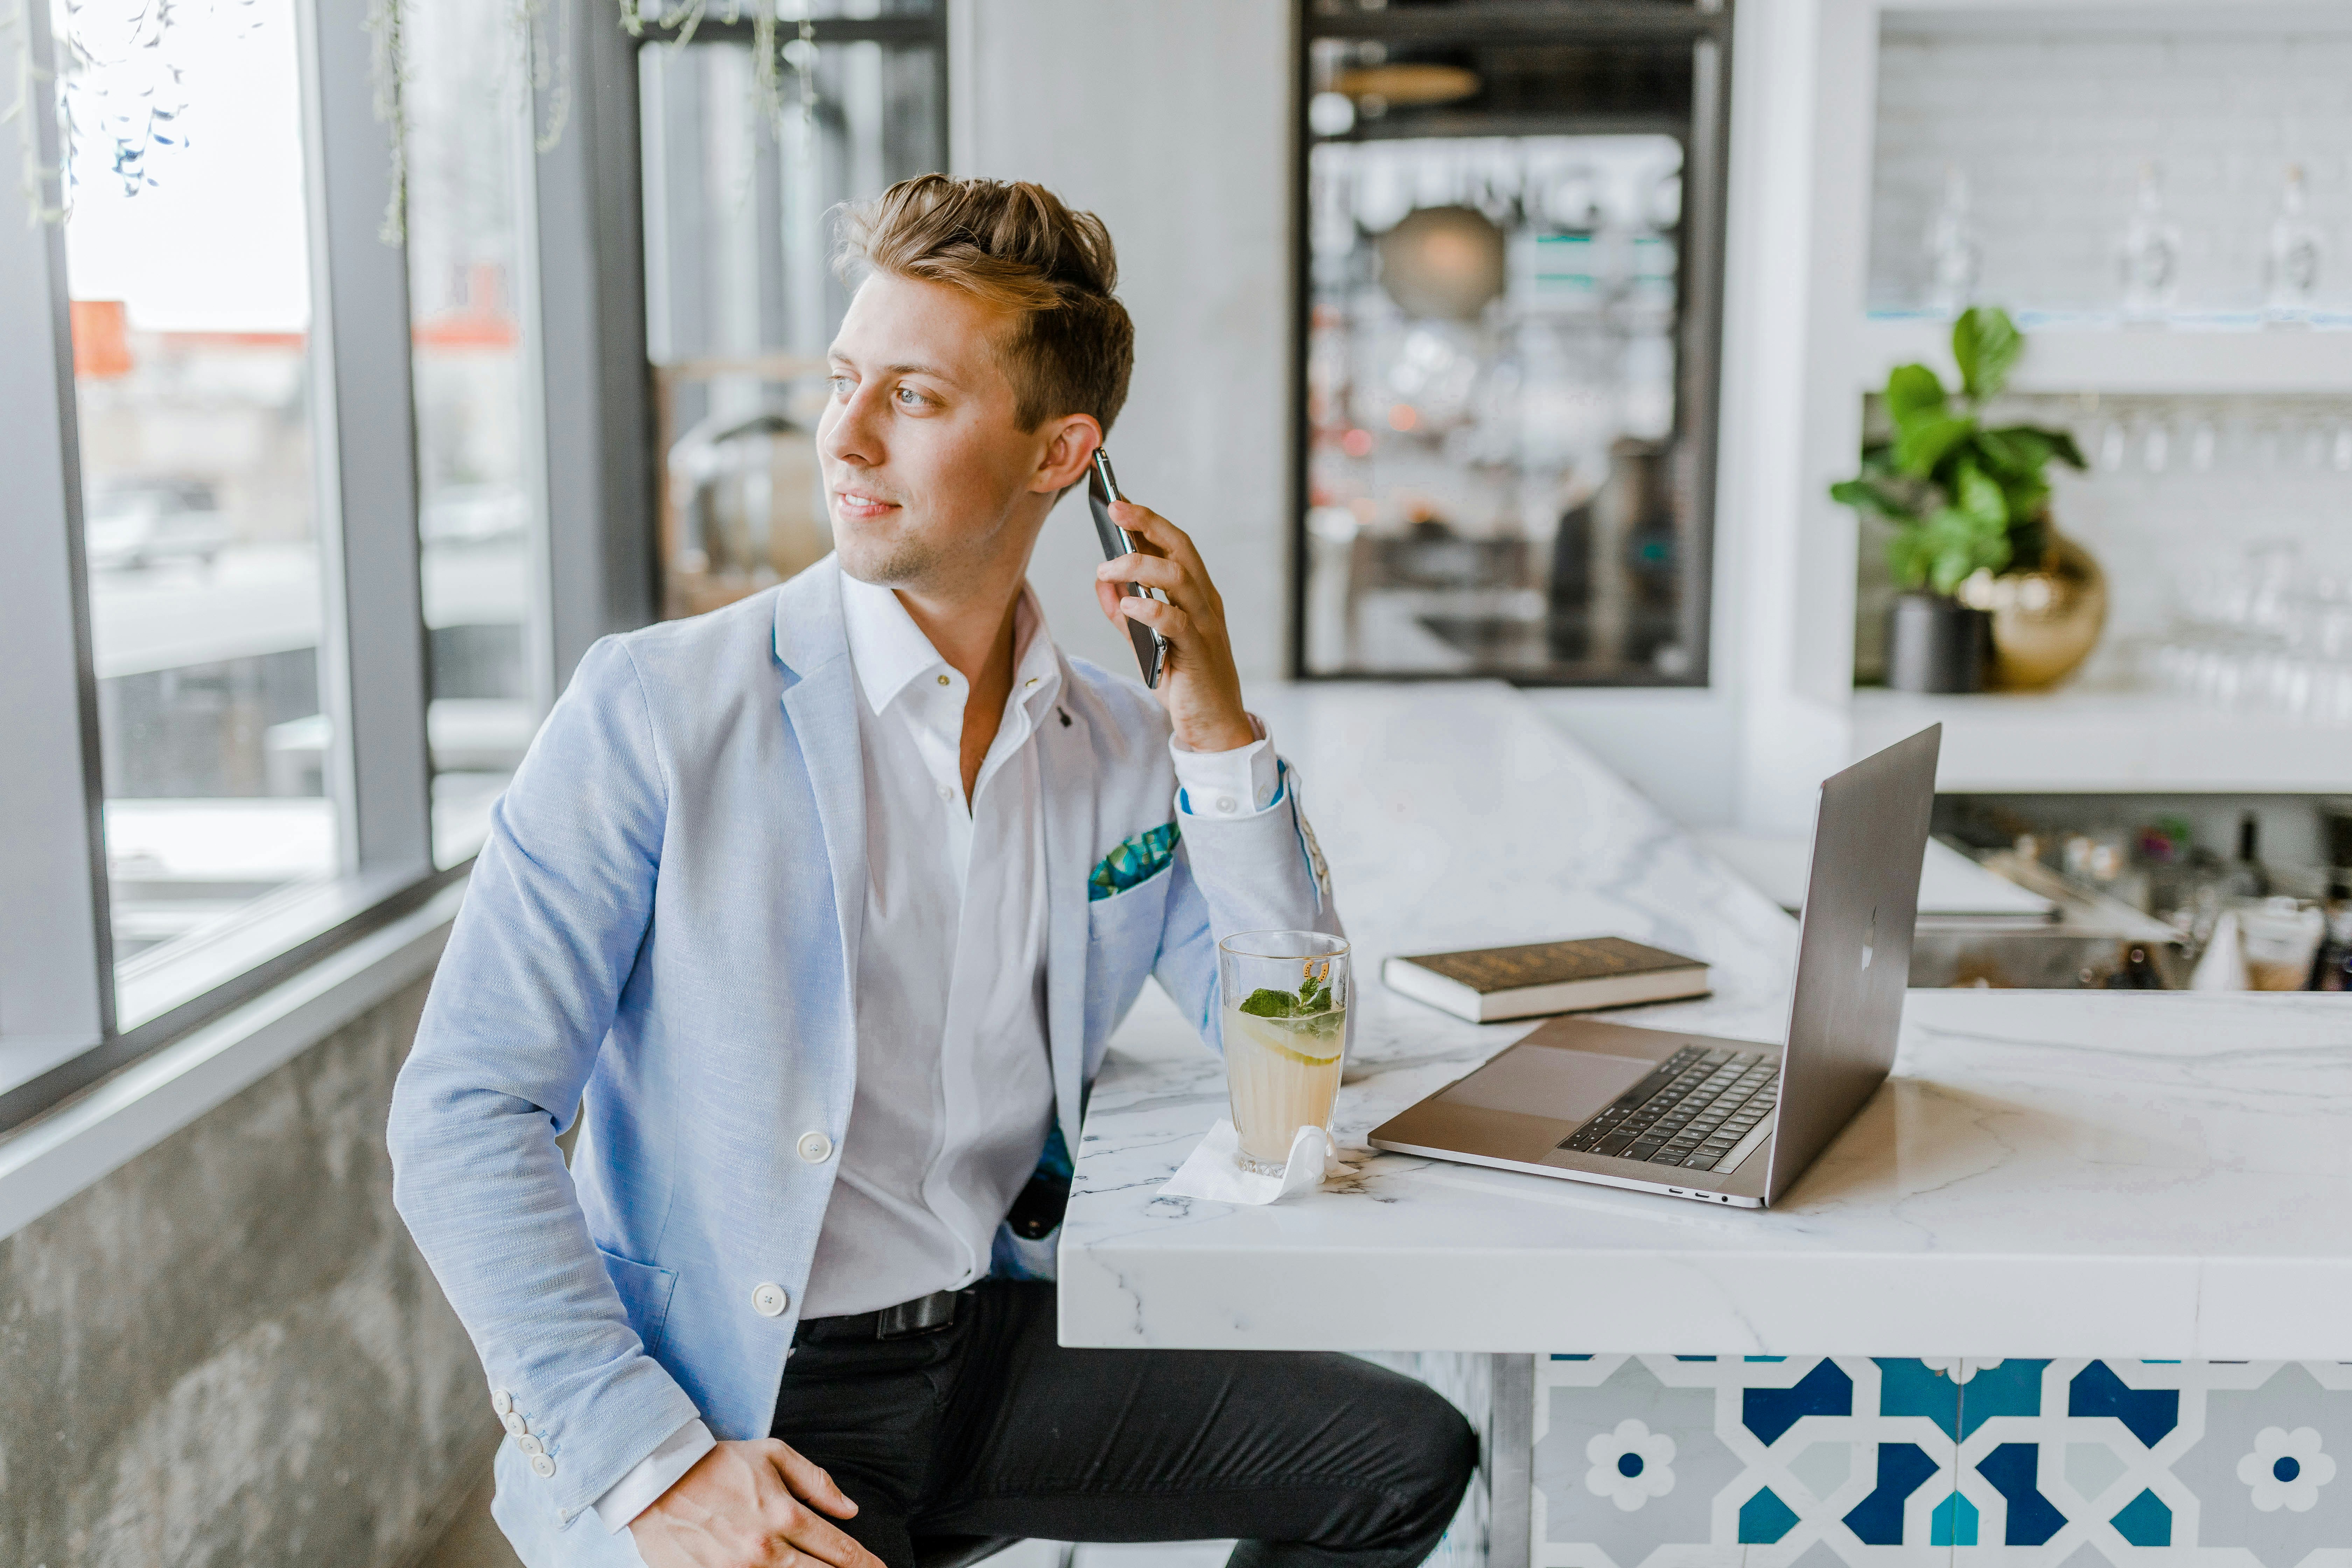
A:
989,1427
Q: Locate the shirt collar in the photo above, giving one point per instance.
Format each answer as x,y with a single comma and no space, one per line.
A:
888,650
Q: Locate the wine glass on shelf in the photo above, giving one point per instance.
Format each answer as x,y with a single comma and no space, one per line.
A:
1953,254
2291,269
2148,255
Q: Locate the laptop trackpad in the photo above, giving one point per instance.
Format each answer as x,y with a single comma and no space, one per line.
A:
1543,1081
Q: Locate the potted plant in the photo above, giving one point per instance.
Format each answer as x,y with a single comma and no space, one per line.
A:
1983,574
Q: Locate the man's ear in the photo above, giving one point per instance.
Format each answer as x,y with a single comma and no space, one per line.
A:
1070,443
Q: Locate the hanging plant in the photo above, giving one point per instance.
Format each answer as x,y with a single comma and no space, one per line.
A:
388,65
117,97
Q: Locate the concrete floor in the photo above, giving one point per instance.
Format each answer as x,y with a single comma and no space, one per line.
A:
474,1541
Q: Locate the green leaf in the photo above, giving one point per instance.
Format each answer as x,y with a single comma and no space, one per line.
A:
1979,498
2039,443
1313,996
2018,452
1912,390
1263,1003
1907,558
1865,496
1925,441
1959,539
1985,345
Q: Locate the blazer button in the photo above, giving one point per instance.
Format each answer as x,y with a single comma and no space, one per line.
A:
502,1402
515,1424
769,1299
816,1147
542,1466
531,1445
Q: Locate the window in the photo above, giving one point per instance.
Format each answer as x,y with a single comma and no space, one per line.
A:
284,606
189,273
741,298
1507,391
489,671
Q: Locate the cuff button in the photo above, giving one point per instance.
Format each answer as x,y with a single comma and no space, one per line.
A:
502,1402
515,1424
529,1444
542,1466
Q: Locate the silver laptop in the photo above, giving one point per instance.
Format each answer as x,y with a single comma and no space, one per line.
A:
1725,1122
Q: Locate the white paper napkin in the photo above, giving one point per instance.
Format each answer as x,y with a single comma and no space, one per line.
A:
1209,1171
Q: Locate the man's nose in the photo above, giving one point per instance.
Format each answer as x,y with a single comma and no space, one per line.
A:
850,433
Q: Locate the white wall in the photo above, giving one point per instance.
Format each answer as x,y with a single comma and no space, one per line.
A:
1171,121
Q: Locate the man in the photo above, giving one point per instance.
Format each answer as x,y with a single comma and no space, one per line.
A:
826,905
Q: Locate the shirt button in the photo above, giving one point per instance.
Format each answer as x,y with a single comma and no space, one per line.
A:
516,1424
769,1300
502,1402
1227,804
531,1445
542,1466
816,1147
943,680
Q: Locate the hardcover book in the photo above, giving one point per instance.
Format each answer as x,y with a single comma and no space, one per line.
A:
1489,983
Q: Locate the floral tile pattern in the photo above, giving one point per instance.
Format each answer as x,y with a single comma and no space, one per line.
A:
1819,1462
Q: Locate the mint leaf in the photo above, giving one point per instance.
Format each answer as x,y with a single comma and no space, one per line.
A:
1263,1003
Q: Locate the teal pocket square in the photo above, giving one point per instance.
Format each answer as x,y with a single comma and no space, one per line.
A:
1139,859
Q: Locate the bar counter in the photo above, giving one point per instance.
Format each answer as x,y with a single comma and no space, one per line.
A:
2080,1177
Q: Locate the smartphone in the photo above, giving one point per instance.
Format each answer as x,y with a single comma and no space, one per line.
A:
1102,489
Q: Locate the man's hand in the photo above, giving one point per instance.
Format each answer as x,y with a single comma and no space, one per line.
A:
749,1505
1198,684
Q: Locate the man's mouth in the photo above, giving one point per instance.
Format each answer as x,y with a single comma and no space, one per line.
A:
857,504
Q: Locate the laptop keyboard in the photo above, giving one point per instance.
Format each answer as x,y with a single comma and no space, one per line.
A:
1696,1106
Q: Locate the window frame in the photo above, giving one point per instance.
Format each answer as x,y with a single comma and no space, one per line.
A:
66,1019
1706,27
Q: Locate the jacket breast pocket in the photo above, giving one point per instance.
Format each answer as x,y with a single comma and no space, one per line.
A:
645,1293
1131,914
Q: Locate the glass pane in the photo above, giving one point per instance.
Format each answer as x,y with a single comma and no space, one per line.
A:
479,506
741,296
1501,472
187,257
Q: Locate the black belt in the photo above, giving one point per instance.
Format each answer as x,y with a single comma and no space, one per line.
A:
923,1315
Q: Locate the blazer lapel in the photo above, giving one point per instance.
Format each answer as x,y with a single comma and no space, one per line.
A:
821,700
1064,771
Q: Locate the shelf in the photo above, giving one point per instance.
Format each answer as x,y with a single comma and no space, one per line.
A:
2108,741
2129,360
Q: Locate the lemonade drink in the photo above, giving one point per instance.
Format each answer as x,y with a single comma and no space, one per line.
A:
1282,1066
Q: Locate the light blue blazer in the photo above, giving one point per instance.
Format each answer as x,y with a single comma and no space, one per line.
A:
664,924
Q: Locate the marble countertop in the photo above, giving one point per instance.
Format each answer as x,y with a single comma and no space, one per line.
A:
2047,1174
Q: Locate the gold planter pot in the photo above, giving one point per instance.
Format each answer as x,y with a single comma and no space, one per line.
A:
2045,620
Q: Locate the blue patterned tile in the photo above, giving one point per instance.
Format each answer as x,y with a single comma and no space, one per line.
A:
1818,1462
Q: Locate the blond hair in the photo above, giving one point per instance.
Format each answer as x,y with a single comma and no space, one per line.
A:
1015,246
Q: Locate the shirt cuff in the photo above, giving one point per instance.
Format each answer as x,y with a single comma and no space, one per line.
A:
1239,783
654,1475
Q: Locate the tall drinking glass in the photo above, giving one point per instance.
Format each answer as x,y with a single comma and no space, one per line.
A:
1286,1001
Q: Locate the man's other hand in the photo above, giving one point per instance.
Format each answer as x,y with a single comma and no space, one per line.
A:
1199,685
749,1505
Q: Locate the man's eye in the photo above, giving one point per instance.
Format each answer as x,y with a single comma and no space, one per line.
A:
908,397
840,386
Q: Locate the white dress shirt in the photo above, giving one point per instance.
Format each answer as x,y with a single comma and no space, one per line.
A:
955,1092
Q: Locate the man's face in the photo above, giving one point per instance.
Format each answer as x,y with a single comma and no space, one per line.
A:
929,479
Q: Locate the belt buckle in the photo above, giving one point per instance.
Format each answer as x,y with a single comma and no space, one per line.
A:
924,1315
